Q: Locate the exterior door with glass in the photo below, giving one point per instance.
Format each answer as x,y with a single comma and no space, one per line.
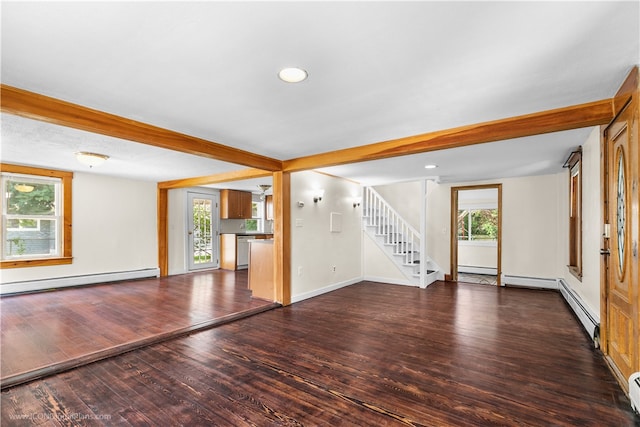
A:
621,277
202,234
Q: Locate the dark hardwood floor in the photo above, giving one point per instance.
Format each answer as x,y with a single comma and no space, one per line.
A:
368,355
48,332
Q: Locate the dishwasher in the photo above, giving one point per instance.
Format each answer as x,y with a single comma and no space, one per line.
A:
243,251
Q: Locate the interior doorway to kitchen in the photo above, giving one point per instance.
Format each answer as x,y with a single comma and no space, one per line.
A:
476,235
202,231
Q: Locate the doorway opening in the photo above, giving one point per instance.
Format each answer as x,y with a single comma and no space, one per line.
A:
476,238
203,231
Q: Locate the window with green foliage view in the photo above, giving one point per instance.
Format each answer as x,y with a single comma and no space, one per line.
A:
255,223
477,224
31,214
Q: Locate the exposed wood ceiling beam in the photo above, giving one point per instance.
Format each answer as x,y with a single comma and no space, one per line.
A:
39,107
216,178
574,117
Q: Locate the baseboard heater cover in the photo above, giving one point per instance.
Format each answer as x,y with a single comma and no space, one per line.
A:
477,270
64,282
529,282
590,320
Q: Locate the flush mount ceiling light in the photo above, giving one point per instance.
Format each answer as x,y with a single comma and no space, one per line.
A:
24,188
430,166
292,75
91,159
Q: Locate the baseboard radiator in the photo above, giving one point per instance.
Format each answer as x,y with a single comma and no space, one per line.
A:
528,282
634,391
477,270
86,279
590,320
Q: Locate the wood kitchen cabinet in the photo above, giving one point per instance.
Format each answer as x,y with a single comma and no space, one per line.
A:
234,250
261,280
235,204
269,208
228,252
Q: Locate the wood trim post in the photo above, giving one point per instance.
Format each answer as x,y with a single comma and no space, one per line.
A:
163,231
282,236
453,235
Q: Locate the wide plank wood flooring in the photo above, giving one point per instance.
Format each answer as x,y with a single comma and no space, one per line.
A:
49,332
366,355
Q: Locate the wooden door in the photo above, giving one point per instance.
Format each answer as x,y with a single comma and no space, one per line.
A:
621,277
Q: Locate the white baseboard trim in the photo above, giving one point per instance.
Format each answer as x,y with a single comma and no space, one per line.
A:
317,292
529,282
390,281
64,282
477,270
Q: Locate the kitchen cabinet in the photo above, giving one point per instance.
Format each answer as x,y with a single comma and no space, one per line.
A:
235,204
234,252
234,249
261,281
268,208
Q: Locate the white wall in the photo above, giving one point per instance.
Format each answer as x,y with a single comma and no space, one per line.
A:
473,254
589,287
531,237
177,231
405,198
438,227
315,249
114,230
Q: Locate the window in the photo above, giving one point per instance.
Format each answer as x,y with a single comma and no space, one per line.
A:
36,217
574,164
478,225
256,221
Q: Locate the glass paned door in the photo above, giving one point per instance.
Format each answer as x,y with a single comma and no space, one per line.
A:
202,233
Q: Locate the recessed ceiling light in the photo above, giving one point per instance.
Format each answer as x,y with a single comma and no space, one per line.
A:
430,166
292,75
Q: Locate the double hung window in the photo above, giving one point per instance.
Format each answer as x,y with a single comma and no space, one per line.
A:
574,164
256,223
36,216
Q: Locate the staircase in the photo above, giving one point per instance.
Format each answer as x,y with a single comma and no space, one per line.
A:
397,238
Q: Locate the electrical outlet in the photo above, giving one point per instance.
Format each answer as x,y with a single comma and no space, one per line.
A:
333,268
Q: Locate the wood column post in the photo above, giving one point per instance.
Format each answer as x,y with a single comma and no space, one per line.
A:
282,236
163,231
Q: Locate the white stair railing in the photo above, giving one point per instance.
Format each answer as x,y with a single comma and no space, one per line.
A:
391,226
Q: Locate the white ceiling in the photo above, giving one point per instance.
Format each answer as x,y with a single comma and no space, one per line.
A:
377,71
